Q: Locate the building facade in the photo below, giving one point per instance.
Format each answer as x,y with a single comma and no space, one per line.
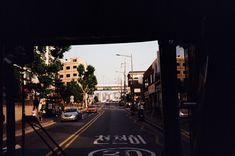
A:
135,82
152,83
69,71
181,68
151,87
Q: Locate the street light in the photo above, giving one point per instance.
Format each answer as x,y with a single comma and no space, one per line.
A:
121,83
132,80
124,76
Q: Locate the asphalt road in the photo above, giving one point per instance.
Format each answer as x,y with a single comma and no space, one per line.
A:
110,132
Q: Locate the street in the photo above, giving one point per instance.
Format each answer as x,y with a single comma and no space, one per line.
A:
111,131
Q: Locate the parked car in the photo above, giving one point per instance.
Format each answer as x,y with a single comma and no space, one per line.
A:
91,109
71,114
51,106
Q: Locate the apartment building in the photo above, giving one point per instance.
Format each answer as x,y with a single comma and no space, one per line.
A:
181,68
69,71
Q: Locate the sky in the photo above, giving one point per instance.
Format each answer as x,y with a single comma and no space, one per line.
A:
108,66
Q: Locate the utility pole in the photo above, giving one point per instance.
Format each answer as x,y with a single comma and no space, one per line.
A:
132,81
124,79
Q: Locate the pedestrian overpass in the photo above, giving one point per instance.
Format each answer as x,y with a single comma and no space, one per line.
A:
108,92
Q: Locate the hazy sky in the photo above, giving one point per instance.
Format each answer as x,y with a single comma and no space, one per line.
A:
103,58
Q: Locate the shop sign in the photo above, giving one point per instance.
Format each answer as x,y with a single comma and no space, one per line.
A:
151,89
137,90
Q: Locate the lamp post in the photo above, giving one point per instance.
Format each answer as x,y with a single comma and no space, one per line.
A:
121,84
132,81
124,76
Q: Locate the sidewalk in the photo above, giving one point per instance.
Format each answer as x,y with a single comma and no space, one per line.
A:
28,129
154,120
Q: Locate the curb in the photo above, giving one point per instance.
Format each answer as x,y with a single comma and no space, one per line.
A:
29,129
154,125
182,131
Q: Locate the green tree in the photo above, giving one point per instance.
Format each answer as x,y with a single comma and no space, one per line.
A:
73,89
87,81
96,99
47,74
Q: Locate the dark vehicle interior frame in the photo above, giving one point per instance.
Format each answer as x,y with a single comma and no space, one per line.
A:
205,28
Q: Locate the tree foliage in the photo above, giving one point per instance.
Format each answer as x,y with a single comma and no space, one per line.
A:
47,74
72,89
96,99
87,80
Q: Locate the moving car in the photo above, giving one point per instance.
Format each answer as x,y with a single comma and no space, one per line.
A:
91,109
71,114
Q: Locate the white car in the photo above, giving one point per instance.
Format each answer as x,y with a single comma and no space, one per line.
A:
71,114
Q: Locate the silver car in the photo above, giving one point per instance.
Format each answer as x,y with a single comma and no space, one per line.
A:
71,114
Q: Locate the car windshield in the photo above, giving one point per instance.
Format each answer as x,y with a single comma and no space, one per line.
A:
70,110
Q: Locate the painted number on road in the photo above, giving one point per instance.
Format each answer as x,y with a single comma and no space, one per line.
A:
122,151
119,139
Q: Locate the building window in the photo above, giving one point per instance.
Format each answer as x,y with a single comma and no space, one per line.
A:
178,64
75,74
74,67
61,76
68,67
74,60
67,75
178,71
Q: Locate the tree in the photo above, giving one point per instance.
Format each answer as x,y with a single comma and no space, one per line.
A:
73,89
47,74
87,81
96,99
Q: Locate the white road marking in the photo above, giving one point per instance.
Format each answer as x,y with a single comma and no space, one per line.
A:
127,151
119,139
141,139
17,146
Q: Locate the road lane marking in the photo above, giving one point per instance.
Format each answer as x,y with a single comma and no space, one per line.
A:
76,133
141,139
128,151
76,136
119,139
